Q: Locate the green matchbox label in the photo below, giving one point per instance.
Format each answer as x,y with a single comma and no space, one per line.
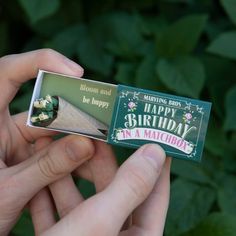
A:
178,124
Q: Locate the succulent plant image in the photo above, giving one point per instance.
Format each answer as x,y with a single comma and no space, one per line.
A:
56,113
45,110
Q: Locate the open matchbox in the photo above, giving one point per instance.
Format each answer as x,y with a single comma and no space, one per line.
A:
119,114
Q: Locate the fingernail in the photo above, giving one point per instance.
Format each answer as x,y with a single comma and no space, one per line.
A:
155,154
74,66
77,150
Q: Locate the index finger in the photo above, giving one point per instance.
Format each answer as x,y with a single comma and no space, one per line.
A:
17,69
30,134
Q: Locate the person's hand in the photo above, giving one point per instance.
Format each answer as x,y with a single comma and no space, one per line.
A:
20,182
105,212
139,192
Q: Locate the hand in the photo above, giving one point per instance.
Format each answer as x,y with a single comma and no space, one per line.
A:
20,182
140,187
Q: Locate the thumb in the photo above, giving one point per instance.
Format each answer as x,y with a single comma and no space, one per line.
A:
51,164
106,212
133,183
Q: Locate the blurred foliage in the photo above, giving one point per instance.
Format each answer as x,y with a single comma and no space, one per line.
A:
184,47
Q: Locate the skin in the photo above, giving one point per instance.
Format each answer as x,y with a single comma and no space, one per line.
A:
36,171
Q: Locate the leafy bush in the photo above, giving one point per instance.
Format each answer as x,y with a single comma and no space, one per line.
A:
184,47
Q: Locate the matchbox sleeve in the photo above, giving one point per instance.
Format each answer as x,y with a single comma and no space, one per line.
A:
120,115
176,123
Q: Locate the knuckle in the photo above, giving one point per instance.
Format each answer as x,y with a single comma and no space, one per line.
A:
41,210
138,183
47,53
4,61
49,167
8,189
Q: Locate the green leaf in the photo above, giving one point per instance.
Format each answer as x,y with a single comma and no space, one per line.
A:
216,140
216,69
22,101
67,40
191,171
230,104
146,76
151,25
229,159
189,204
32,44
134,4
122,153
179,1
125,73
226,194
24,226
72,11
48,28
232,142
184,75
3,38
224,45
39,9
230,8
216,224
86,188
209,172
124,34
91,52
181,37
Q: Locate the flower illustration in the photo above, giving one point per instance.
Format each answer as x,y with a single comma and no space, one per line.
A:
43,116
40,103
132,106
188,116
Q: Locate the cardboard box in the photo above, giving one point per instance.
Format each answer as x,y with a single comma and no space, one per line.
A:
119,114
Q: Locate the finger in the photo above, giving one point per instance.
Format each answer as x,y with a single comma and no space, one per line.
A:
62,157
66,195
42,211
17,69
133,183
131,186
25,162
155,205
30,134
41,143
2,165
84,172
41,206
103,165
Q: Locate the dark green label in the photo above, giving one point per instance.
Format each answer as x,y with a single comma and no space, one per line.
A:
178,124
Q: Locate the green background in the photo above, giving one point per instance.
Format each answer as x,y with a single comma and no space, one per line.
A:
183,47
69,89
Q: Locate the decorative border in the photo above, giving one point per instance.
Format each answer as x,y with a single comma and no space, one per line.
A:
188,107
